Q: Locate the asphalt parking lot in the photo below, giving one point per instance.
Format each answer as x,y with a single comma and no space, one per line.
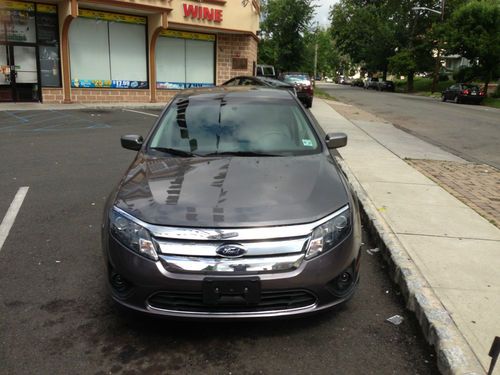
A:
55,314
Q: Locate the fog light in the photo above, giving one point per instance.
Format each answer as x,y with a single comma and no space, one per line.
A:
119,283
343,284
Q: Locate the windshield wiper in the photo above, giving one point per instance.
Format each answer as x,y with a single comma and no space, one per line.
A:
174,151
240,153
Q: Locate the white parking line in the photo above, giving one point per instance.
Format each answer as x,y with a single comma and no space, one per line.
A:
11,214
142,113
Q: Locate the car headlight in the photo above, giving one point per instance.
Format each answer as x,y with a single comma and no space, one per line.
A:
329,234
132,235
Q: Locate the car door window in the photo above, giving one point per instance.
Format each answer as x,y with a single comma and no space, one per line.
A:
247,82
233,82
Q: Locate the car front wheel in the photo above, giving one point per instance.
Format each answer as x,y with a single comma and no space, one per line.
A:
457,100
443,98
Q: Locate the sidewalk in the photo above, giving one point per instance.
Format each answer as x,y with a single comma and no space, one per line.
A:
446,256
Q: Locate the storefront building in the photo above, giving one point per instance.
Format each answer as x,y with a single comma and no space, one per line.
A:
72,51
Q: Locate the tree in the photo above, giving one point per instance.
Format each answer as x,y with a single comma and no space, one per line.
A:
474,33
283,27
363,31
328,54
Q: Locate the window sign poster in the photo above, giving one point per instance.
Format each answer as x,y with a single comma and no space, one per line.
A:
106,83
19,26
182,85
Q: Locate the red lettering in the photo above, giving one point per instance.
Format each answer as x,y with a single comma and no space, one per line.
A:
208,14
218,15
204,13
190,10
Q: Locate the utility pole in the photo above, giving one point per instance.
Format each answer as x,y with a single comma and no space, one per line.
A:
435,79
315,58
315,53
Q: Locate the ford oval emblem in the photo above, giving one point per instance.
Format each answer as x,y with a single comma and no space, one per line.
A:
231,251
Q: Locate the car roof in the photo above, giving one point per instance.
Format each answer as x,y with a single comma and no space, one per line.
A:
235,92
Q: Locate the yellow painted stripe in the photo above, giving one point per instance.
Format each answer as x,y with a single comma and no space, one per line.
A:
187,35
114,17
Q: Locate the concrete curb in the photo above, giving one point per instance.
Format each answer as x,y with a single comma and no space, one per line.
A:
62,107
454,355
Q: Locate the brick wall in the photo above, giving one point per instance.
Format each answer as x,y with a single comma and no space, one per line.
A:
234,45
55,95
164,96
109,95
52,95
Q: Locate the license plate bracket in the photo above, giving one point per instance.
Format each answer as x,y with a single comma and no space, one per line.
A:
225,291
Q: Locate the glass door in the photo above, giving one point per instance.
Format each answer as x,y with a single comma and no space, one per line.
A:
6,93
25,79
18,73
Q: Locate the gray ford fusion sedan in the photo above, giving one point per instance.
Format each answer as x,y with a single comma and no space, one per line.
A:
232,208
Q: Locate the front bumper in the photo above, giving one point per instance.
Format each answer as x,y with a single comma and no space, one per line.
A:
309,287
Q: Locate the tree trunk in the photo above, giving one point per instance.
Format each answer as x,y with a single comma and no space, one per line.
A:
409,82
486,83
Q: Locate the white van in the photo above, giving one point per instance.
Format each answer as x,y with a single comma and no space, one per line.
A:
265,71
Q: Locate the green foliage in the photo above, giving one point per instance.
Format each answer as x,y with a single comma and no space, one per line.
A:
329,58
466,74
491,102
422,85
362,31
403,62
284,24
474,32
496,93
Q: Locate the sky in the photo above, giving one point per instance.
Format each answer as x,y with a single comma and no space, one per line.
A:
322,12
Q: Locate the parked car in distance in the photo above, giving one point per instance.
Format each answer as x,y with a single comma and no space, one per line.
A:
463,92
265,71
358,82
303,86
328,80
371,83
232,208
260,81
386,86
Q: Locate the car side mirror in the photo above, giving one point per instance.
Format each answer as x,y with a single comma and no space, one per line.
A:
132,142
336,140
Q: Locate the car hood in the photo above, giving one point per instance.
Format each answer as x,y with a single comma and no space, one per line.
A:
226,192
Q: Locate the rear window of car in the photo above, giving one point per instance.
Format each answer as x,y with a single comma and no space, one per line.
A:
218,126
295,78
470,87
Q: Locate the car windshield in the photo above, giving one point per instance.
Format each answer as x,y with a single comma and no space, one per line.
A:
200,127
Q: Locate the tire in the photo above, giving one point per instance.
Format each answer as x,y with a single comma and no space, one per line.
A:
443,97
457,100
309,103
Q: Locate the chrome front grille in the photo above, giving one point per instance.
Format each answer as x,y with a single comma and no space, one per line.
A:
259,256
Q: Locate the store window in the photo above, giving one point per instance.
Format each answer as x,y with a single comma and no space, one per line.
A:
17,22
108,50
47,31
185,60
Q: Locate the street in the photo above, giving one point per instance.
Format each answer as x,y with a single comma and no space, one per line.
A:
468,131
56,317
